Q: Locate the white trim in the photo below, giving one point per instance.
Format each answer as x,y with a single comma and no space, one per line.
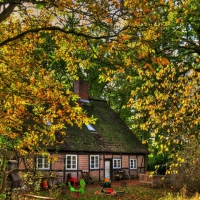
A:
133,163
118,163
71,156
94,165
43,159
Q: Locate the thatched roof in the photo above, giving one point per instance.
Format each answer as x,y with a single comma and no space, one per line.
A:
111,134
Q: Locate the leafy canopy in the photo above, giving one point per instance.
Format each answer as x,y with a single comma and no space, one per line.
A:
144,54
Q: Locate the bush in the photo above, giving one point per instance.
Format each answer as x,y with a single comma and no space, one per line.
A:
187,168
179,196
62,185
158,161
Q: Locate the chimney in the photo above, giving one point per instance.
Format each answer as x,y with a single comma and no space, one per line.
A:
81,88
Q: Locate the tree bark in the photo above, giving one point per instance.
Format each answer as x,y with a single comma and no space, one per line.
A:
6,11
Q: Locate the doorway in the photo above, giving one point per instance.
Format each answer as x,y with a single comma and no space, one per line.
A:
107,169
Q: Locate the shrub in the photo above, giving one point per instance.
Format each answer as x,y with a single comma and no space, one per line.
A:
187,168
158,160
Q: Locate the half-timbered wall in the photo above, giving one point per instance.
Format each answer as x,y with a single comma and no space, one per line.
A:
83,163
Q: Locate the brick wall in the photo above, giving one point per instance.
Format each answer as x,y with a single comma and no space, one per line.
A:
58,162
58,165
83,163
125,161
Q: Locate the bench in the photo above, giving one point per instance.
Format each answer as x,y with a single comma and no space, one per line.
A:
30,196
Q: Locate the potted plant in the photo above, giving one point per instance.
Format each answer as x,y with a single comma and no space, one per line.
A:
117,177
105,182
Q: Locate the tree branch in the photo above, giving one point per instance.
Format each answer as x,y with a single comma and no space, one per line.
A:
7,12
55,28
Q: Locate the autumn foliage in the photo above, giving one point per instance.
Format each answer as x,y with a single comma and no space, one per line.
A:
145,54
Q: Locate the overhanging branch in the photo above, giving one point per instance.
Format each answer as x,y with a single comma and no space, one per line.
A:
55,28
7,12
21,1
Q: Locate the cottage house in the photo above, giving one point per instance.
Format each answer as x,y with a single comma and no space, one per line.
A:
106,149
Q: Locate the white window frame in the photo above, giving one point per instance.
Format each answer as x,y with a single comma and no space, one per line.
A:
117,163
73,158
133,163
44,161
94,161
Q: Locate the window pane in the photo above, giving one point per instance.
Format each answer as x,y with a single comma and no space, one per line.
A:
92,161
119,163
68,162
135,164
46,164
39,162
74,162
96,161
131,164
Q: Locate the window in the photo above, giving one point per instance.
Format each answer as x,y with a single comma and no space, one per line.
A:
133,163
116,163
71,162
90,127
42,162
94,162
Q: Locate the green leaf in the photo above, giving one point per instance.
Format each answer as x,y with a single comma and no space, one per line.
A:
39,6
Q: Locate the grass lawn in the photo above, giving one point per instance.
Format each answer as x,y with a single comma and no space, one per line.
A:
132,191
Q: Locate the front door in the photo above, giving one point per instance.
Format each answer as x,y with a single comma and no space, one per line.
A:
107,169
